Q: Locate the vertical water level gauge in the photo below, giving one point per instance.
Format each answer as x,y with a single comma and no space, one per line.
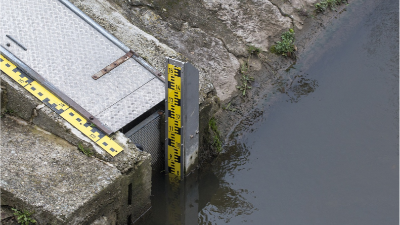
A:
182,118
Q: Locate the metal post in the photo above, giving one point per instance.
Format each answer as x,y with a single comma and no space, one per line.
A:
182,118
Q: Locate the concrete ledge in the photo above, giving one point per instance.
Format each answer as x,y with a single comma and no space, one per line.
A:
17,99
45,174
43,170
26,106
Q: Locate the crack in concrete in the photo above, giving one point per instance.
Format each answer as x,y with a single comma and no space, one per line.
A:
284,14
224,45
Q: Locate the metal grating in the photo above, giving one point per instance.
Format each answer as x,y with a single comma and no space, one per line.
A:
148,134
66,51
134,105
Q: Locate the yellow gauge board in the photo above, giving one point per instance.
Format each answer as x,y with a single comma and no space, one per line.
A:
174,120
60,107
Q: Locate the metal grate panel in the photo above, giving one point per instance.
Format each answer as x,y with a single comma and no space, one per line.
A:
67,51
133,105
148,134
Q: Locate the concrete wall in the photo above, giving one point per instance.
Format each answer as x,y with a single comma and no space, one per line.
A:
59,183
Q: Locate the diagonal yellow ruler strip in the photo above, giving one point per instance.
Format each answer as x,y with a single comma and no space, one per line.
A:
59,107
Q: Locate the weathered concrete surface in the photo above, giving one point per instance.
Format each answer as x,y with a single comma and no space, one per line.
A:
52,178
7,216
19,102
45,174
45,149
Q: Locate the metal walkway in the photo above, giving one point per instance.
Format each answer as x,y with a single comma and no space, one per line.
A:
66,51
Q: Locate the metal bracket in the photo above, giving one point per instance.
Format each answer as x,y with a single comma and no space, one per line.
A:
113,39
113,65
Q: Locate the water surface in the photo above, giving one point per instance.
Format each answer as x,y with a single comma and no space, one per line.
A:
326,151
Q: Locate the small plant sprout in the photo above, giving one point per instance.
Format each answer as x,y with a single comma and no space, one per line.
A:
253,50
228,107
9,111
245,79
23,217
286,46
84,150
322,6
245,84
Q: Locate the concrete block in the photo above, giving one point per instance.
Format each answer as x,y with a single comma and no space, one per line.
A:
46,175
19,101
24,104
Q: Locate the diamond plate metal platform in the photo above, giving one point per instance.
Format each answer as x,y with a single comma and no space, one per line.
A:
67,51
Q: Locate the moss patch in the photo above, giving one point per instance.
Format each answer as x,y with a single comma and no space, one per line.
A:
217,143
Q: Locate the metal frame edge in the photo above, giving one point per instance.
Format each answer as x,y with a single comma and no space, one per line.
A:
112,38
95,25
25,68
166,115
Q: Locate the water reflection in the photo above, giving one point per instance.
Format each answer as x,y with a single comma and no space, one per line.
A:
315,162
227,202
299,87
207,197
233,159
295,86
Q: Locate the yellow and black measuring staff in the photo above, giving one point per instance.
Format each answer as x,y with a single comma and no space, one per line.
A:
174,120
60,107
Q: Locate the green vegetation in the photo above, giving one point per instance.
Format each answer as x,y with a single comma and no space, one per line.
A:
217,143
253,50
228,107
331,4
7,111
286,46
246,79
84,150
23,217
244,70
213,126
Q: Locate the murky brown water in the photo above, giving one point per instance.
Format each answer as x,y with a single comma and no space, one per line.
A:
326,151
